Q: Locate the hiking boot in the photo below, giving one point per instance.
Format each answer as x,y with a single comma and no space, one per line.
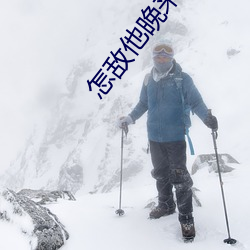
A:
188,231
160,211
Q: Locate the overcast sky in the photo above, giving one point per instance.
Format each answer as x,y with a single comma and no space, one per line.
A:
40,42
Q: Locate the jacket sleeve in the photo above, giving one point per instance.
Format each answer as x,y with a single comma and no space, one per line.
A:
142,105
193,97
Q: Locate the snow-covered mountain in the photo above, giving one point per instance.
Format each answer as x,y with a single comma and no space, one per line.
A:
78,147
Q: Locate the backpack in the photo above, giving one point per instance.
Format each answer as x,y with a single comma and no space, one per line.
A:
186,108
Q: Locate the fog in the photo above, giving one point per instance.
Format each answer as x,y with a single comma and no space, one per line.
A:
40,42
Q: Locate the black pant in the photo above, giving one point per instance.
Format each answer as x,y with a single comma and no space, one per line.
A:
169,162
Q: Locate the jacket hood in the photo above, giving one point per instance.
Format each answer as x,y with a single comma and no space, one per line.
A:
176,68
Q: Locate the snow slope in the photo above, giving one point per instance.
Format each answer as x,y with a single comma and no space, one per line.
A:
215,29
94,225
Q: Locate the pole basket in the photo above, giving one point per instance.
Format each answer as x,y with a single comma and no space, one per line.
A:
120,212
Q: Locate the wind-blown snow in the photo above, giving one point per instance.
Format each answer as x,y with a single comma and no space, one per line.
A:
94,224
52,36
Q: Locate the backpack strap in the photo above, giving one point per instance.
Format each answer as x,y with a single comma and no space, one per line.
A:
146,79
178,80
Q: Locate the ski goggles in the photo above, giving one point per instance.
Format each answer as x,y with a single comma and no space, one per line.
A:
163,50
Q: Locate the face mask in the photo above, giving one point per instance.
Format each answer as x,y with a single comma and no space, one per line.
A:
163,67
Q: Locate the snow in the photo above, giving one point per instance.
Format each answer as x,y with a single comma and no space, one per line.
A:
10,230
12,235
94,225
214,27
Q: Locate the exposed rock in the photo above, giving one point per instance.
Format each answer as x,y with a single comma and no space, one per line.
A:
44,196
209,160
152,203
195,197
232,52
47,229
132,169
71,177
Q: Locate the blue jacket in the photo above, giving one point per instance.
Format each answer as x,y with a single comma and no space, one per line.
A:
163,101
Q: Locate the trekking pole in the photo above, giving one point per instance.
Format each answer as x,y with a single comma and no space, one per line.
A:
229,240
119,211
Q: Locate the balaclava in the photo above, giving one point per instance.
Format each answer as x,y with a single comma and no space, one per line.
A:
163,50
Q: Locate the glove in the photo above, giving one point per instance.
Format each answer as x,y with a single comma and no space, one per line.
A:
211,122
124,119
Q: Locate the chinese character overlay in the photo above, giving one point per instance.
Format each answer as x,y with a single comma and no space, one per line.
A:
164,2
118,70
135,40
152,16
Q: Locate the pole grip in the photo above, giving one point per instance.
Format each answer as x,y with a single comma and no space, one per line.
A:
214,132
125,128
